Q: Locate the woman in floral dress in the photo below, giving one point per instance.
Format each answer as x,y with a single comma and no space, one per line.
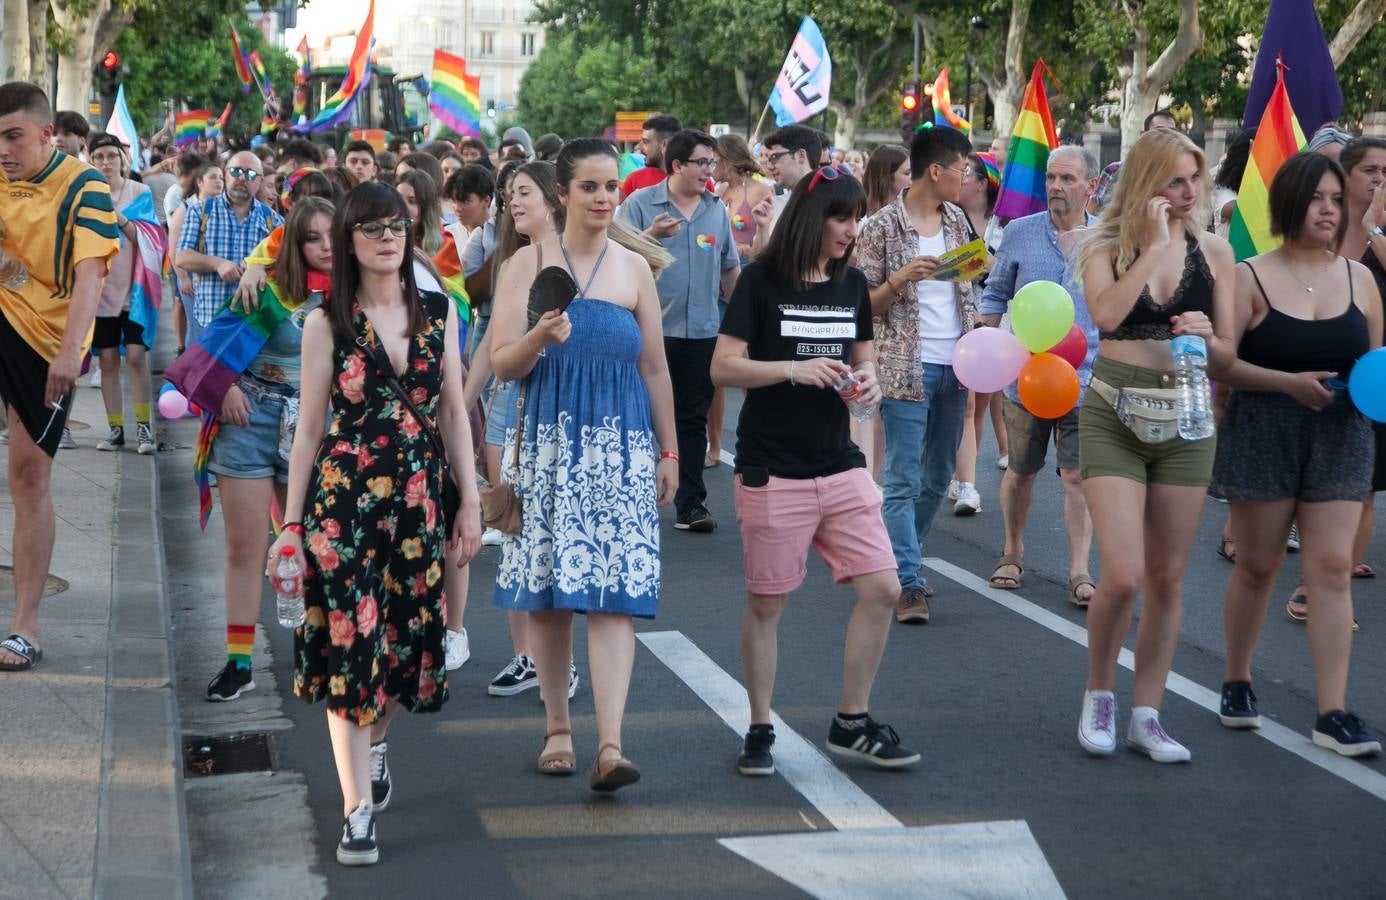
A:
366,499
590,473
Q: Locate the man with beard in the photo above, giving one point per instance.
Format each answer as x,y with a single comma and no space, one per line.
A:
654,135
1040,248
219,234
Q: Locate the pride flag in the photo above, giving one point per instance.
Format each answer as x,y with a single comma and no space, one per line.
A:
242,65
1022,182
122,125
376,137
214,129
1278,137
805,80
191,126
455,97
301,81
339,106
146,281
943,104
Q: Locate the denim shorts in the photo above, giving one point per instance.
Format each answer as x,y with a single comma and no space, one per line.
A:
502,413
252,451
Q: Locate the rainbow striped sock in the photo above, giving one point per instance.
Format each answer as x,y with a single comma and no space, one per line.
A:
239,640
142,413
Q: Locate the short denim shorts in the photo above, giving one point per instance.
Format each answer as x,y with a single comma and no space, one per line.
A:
253,451
501,415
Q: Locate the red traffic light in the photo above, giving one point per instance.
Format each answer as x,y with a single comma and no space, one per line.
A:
909,103
111,61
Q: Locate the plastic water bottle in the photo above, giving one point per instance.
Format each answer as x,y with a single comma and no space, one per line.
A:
287,579
1191,377
848,389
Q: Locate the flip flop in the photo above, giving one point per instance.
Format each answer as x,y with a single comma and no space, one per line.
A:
1074,584
1229,555
1362,570
996,575
21,646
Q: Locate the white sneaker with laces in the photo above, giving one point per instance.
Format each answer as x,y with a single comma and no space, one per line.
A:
66,442
458,649
492,538
969,501
144,437
1292,541
953,489
113,441
1097,723
1147,736
95,379
358,845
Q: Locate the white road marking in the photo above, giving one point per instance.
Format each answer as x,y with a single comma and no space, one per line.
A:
1354,773
871,847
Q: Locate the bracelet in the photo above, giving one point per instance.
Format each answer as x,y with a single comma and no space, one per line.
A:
295,527
668,454
792,363
530,346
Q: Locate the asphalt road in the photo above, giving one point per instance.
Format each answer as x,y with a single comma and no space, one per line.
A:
989,693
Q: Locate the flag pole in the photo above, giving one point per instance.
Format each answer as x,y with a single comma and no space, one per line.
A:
756,132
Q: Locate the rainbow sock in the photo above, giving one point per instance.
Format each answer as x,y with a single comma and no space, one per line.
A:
239,640
142,413
115,420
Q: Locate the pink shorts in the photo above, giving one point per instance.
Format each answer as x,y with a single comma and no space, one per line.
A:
840,516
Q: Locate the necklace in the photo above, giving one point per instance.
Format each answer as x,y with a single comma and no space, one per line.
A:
1307,286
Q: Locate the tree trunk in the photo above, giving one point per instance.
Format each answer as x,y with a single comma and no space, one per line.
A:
38,42
1143,83
14,41
1359,22
1007,97
845,134
75,69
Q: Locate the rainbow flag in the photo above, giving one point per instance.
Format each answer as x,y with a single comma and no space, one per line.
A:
455,97
943,104
191,126
376,137
1022,184
301,81
242,65
1278,137
339,106
214,128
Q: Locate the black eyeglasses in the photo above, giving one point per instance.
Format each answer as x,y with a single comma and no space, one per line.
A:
702,162
772,158
247,174
827,173
376,230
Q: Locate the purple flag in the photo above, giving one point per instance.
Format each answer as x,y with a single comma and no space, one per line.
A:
1293,32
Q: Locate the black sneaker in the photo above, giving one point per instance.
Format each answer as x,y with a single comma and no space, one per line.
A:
357,846
755,758
1239,705
230,683
516,678
380,777
877,744
1344,733
114,440
695,518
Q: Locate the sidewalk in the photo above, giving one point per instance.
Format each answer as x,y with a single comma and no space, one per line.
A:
90,767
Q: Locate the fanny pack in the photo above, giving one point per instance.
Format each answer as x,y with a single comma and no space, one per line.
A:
1151,414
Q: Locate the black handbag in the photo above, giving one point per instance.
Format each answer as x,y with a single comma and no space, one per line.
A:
452,494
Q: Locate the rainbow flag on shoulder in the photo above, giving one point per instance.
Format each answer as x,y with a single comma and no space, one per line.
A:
1022,182
191,126
455,97
1278,137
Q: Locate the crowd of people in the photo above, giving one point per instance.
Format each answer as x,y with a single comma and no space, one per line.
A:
403,355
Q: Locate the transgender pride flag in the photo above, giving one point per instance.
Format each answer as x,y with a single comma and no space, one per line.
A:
805,79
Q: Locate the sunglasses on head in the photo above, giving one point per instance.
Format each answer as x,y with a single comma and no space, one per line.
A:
376,230
827,173
247,174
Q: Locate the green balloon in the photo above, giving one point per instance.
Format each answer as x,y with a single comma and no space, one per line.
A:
1041,315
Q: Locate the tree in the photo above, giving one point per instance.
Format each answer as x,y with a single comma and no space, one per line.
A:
575,87
1361,20
14,41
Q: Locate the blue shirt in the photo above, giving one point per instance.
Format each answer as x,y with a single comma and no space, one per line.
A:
1029,252
702,249
215,231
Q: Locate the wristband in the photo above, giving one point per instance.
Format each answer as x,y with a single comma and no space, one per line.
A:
792,363
531,346
295,527
669,454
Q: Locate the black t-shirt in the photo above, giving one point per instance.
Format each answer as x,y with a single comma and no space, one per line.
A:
797,431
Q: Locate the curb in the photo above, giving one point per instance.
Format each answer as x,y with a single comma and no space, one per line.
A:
142,847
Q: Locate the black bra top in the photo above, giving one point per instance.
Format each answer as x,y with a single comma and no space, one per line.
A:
1287,343
1148,320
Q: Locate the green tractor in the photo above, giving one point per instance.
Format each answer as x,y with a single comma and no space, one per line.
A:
392,103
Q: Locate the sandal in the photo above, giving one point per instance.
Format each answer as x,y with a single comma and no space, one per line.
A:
1298,605
614,773
1362,570
557,762
1075,583
1228,554
998,579
22,647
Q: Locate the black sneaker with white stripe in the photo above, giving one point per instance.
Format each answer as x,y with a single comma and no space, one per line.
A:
357,846
381,788
755,758
876,743
1344,733
517,677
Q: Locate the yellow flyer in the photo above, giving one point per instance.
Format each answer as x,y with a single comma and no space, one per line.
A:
966,263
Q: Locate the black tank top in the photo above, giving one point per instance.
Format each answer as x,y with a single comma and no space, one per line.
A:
1148,320
1290,344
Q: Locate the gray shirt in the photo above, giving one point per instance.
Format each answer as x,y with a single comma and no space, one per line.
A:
702,249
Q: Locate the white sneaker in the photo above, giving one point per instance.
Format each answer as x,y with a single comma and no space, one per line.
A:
1097,724
114,441
953,489
95,379
1003,462
1149,737
1292,542
492,538
66,442
969,501
145,439
458,649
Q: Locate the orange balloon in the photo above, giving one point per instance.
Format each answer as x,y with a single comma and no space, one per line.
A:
1048,386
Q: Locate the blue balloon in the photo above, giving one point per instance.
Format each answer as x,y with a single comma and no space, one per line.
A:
167,386
1367,385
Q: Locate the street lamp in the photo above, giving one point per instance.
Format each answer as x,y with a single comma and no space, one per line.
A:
979,26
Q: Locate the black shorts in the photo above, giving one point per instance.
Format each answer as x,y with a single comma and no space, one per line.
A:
112,332
23,381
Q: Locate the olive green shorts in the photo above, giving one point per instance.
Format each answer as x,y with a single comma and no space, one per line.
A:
1107,447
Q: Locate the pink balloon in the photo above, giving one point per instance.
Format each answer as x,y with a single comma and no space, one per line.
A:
1073,349
987,359
173,405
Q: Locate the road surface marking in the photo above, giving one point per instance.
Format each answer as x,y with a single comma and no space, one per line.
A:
1355,773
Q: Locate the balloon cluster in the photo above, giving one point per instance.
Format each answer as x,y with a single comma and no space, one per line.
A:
1367,385
173,405
1042,356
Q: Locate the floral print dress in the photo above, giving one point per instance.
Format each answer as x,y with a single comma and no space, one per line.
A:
373,594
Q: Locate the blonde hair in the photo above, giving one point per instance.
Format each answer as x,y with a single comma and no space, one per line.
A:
639,242
1146,171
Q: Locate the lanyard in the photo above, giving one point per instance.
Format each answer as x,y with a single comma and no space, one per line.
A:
571,268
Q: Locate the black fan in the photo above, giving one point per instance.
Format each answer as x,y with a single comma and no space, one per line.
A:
553,288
